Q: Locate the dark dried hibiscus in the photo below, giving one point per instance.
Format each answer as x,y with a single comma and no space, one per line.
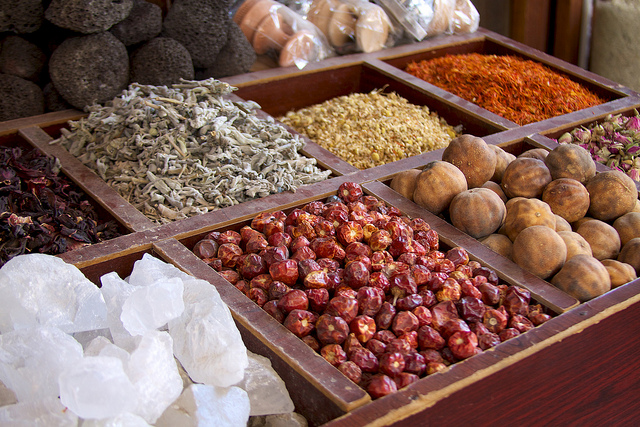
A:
41,210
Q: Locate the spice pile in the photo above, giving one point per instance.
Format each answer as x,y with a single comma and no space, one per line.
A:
614,142
41,210
520,90
182,151
371,129
369,289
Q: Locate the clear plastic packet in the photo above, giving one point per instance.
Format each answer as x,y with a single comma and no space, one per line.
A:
274,29
427,18
352,26
466,18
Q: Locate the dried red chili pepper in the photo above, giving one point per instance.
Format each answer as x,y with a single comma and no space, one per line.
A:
521,90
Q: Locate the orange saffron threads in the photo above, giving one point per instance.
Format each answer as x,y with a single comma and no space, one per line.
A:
520,90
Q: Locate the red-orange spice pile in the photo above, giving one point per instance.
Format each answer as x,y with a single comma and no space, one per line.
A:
520,90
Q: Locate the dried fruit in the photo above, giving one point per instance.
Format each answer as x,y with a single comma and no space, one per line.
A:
300,322
381,385
403,322
429,338
334,354
463,344
351,371
391,363
331,329
292,300
363,327
285,271
364,358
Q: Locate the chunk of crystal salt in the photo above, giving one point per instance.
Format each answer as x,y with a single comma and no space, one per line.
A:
150,269
154,373
41,413
101,346
86,337
123,420
38,289
205,338
97,387
115,292
152,306
31,360
267,392
206,405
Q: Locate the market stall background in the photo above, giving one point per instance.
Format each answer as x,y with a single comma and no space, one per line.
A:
516,359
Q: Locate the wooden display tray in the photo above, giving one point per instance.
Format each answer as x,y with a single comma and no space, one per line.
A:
321,393
560,372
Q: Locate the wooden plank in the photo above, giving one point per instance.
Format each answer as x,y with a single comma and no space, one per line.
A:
43,120
530,22
566,37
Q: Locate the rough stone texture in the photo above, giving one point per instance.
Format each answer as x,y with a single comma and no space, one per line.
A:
161,62
87,16
236,57
21,16
21,58
19,98
90,69
615,42
53,101
143,23
201,27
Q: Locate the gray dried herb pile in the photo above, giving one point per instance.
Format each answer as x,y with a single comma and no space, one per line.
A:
185,150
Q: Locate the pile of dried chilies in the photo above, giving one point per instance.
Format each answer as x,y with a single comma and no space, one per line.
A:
520,90
615,142
41,210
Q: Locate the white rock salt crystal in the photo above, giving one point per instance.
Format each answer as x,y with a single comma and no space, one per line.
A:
97,387
152,306
85,337
206,339
150,269
154,373
204,405
123,420
102,346
267,392
38,289
32,359
115,292
42,413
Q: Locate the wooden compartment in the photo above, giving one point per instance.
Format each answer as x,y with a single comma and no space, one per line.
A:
549,137
298,90
109,200
40,131
326,394
566,355
494,44
102,215
294,91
